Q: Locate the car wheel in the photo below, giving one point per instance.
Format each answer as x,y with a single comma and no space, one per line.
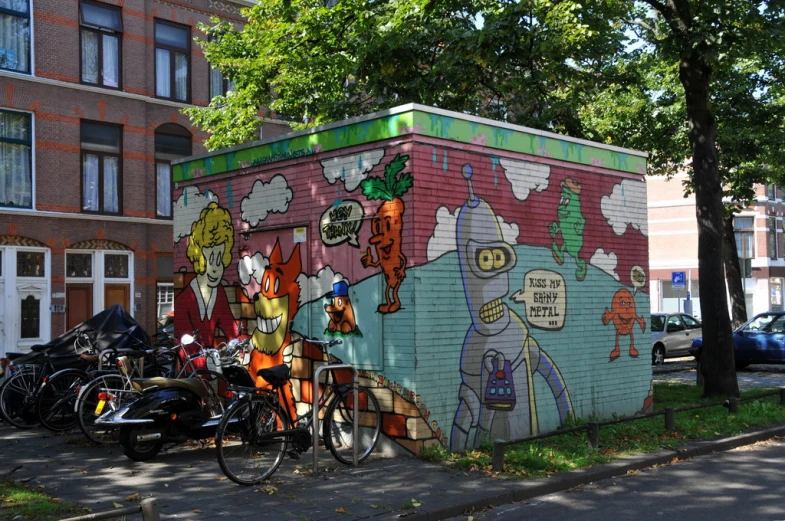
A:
658,355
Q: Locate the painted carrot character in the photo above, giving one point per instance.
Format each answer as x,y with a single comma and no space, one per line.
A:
387,227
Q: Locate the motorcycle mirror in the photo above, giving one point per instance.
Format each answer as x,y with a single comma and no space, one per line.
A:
187,339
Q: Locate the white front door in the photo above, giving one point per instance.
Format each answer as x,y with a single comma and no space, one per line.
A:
25,291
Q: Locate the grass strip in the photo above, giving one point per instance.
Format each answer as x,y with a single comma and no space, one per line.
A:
566,452
18,501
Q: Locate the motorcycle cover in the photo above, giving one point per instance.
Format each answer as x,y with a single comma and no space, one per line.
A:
112,327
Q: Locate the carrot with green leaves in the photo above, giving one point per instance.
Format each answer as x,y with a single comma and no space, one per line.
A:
387,228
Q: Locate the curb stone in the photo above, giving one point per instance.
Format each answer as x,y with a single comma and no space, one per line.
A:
566,480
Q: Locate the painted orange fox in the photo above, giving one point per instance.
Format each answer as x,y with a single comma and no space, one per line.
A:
275,305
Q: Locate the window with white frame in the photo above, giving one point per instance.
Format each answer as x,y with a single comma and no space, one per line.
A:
172,60
15,35
79,265
219,85
101,167
16,157
772,237
744,230
171,142
165,292
101,35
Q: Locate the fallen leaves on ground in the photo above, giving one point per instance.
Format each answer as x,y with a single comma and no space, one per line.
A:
133,497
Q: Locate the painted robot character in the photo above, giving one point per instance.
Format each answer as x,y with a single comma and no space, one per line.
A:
499,358
571,223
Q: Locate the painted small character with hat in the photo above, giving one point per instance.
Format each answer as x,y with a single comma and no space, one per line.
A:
340,311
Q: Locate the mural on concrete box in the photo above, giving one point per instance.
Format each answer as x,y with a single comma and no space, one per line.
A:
483,317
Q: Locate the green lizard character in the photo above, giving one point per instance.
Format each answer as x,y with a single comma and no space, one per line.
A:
571,223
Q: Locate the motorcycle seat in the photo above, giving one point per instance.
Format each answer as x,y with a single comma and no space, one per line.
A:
195,385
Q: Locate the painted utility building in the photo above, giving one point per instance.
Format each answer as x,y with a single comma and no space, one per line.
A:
488,280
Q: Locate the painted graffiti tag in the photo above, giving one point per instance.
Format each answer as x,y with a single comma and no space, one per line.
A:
340,223
544,298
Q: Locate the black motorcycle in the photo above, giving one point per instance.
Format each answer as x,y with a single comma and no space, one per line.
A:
175,410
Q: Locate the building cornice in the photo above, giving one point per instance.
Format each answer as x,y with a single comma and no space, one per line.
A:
86,217
94,90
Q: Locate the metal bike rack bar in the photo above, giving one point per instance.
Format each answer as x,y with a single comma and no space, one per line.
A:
315,412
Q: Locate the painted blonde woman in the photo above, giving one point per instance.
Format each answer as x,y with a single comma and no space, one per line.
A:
203,305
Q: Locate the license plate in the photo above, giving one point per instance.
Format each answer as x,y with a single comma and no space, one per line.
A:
100,406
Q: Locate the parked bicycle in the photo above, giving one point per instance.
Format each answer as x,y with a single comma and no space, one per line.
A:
255,432
35,392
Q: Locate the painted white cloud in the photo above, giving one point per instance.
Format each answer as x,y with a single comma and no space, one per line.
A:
317,286
443,239
351,169
187,209
250,270
266,198
626,205
525,176
605,261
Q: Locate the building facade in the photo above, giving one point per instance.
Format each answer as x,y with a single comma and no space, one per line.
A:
90,99
673,247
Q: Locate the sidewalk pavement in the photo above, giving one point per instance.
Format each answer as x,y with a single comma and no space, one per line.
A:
189,485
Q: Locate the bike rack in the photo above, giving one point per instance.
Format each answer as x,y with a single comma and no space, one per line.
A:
315,412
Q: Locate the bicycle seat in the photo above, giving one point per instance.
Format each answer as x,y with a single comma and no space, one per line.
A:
276,376
14,356
191,384
64,358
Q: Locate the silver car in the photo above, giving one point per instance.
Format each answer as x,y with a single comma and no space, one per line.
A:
672,335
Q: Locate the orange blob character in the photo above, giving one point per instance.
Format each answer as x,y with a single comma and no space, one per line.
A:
624,316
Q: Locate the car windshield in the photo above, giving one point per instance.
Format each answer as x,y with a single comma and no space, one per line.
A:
657,323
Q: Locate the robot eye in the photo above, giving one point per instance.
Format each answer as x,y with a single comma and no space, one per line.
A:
485,260
499,258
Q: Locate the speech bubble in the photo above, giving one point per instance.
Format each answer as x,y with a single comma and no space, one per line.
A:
341,222
544,297
638,278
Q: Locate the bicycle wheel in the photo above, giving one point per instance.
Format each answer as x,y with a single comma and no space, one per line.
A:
89,407
244,455
17,398
217,397
338,435
56,399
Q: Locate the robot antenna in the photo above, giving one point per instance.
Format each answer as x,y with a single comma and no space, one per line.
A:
467,172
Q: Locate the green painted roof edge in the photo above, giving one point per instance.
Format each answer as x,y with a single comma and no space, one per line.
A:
408,119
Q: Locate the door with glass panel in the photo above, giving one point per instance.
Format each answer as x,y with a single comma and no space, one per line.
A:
28,321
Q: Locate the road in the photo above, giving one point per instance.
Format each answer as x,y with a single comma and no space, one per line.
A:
682,370
742,484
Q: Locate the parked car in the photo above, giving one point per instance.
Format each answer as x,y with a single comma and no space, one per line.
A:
672,335
760,340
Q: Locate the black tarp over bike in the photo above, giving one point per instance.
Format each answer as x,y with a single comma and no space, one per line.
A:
112,327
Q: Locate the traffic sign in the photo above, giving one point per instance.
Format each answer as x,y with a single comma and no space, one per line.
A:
677,279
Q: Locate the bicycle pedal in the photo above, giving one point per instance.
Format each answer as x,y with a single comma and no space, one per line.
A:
293,454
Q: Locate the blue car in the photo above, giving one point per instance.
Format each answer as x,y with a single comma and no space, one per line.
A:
759,341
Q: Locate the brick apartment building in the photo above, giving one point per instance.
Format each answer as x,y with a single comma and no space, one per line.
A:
673,246
90,100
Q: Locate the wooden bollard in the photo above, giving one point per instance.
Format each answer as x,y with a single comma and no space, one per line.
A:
593,432
670,419
498,456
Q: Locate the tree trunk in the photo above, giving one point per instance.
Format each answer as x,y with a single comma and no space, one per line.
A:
717,361
733,274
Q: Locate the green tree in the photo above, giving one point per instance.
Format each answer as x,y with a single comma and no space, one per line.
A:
529,62
703,93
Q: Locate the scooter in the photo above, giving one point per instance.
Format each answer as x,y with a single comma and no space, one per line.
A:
175,410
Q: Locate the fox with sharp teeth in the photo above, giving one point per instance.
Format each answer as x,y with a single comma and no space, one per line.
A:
276,304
